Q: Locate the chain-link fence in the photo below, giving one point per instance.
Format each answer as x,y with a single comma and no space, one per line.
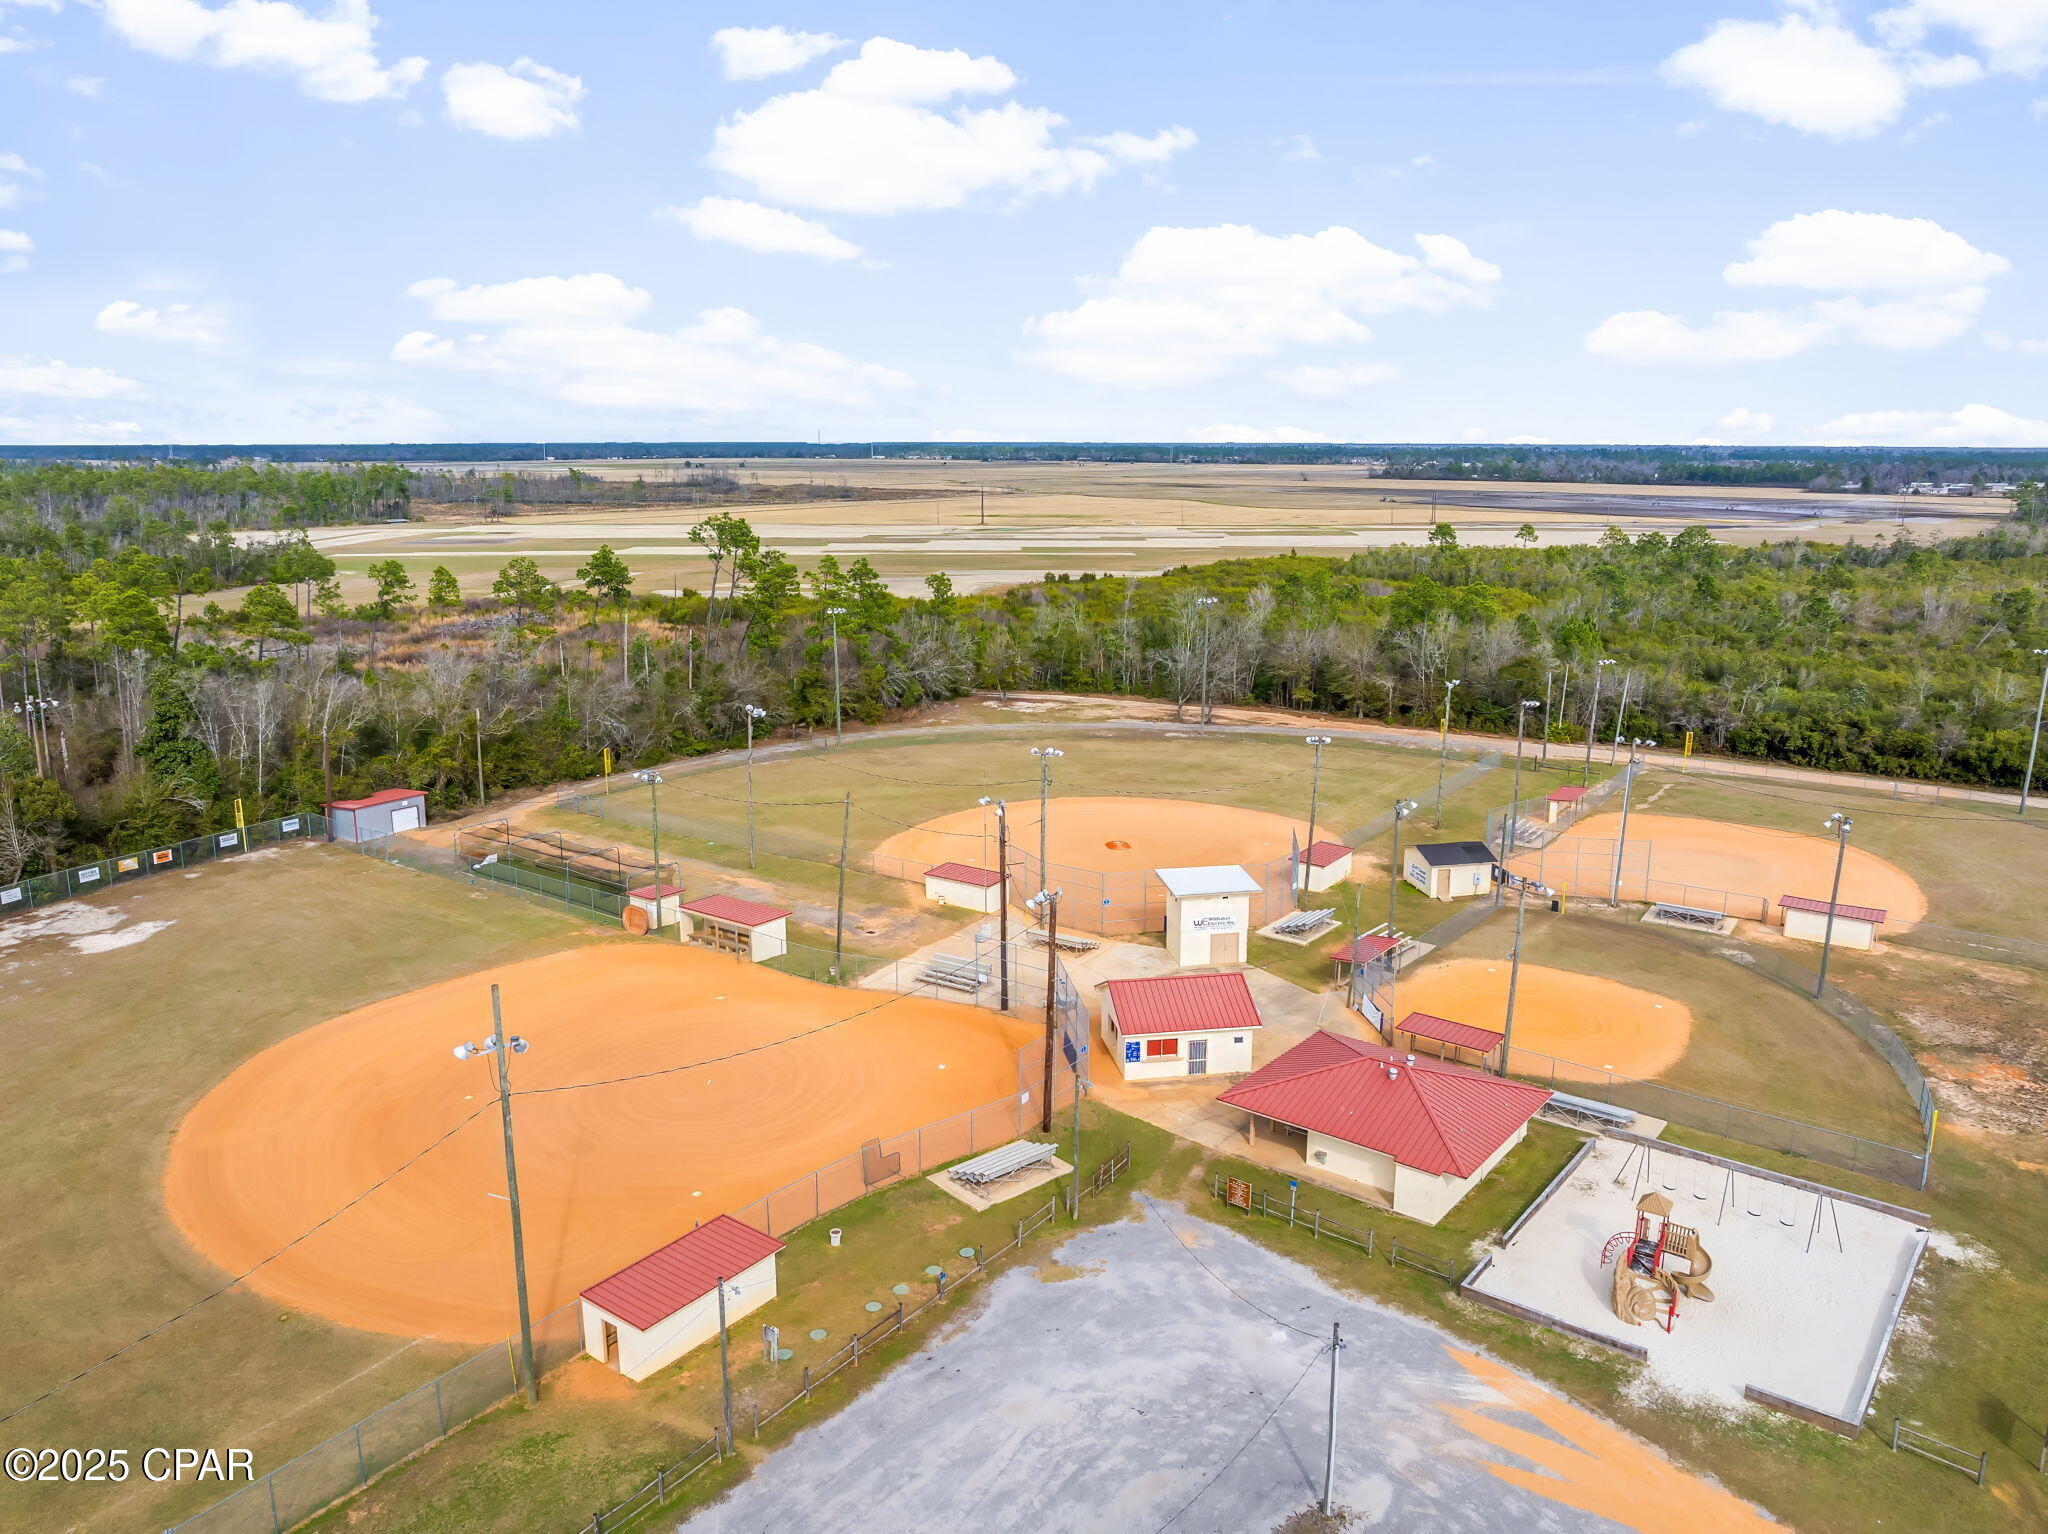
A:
1537,825
87,878
348,1461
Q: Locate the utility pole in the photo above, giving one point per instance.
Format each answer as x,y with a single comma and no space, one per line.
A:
1521,886
1841,825
1443,747
1330,1448
1002,903
1074,1182
838,729
1620,717
1046,755
1507,834
839,909
504,1047
479,756
753,713
1049,902
2034,743
1593,720
1315,788
724,1366
653,781
1628,783
1403,808
1549,672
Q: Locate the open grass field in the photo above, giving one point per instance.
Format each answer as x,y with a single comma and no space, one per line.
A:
116,1014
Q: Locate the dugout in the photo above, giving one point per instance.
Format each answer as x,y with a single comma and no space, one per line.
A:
384,813
744,928
1558,800
651,1312
659,905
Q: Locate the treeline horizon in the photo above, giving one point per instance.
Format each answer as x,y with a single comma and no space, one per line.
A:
134,710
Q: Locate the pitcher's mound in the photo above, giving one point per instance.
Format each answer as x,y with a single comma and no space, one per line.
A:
1597,1025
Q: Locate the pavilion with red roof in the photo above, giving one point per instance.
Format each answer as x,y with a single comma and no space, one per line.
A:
651,1312
1558,800
743,927
1419,1133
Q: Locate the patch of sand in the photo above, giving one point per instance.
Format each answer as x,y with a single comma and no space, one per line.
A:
1598,1024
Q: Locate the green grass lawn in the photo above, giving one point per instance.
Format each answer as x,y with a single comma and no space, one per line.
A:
1754,1042
105,1052
1980,866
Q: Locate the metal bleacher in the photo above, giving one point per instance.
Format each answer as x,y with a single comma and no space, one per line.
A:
1584,1110
956,974
1002,1163
1304,923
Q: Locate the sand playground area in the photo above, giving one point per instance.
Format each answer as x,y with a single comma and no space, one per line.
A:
1599,1024
1113,834
606,1173
1716,857
1802,1309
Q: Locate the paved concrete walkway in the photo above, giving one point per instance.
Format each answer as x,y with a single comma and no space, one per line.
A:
1166,1369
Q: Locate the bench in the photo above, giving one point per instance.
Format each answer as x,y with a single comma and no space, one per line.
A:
955,974
1002,1163
1585,1110
1304,923
1069,942
1692,916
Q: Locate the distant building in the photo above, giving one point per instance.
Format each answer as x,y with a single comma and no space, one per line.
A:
1450,870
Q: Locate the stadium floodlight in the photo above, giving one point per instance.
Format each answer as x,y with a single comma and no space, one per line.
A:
1841,825
752,713
1315,788
1046,755
838,730
1628,783
1443,747
1593,719
2034,741
501,1046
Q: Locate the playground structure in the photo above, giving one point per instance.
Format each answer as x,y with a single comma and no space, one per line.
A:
1643,1278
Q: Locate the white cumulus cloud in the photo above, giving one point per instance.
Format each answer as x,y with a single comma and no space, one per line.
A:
1744,422
754,226
2012,35
332,56
568,339
14,250
1320,382
1971,426
47,378
185,324
1187,304
755,53
518,101
869,138
1905,284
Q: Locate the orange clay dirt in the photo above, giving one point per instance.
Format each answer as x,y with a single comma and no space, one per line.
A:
606,1174
1693,861
1114,834
1600,1024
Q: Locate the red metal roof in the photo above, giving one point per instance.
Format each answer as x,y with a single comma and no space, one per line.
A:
655,891
1323,854
1363,950
1183,1003
381,796
730,908
965,873
1566,794
1426,1114
1820,908
1465,1035
649,1291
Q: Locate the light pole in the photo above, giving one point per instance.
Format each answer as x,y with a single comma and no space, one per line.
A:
1628,783
2034,744
1330,1443
1315,788
1046,903
1443,747
1521,887
838,732
1205,603
1620,717
1002,902
1403,808
1508,838
503,1047
1549,672
1841,825
1593,720
1046,755
653,781
753,713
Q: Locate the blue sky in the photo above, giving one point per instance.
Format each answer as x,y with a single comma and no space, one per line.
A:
378,220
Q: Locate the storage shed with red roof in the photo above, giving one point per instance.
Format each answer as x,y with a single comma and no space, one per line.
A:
1180,1025
1419,1133
651,1312
743,927
1854,926
963,884
384,813
1324,864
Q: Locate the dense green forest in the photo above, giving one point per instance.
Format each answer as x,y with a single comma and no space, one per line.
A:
136,708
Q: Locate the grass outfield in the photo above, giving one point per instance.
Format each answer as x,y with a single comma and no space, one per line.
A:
106,1051
1754,1042
1979,865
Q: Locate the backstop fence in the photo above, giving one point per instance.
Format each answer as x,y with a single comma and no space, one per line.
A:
87,878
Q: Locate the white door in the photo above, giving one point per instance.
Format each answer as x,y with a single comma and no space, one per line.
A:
406,818
1198,1057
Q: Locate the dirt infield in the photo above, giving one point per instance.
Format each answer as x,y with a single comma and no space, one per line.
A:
1692,861
1597,1023
606,1173
1116,834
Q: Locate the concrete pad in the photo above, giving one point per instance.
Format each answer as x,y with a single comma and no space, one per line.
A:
1002,1192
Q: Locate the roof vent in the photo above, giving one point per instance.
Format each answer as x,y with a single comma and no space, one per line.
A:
1393,1073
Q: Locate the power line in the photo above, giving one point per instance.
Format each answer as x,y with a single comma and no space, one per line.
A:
1314,1358
1196,1259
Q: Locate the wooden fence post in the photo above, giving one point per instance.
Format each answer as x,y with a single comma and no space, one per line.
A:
1316,1230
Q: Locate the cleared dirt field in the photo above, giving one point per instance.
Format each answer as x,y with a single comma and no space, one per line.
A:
1112,835
608,1172
1561,1014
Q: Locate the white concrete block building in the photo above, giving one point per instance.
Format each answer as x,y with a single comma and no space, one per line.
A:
1855,925
651,1312
1449,870
1180,1025
1208,913
964,885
